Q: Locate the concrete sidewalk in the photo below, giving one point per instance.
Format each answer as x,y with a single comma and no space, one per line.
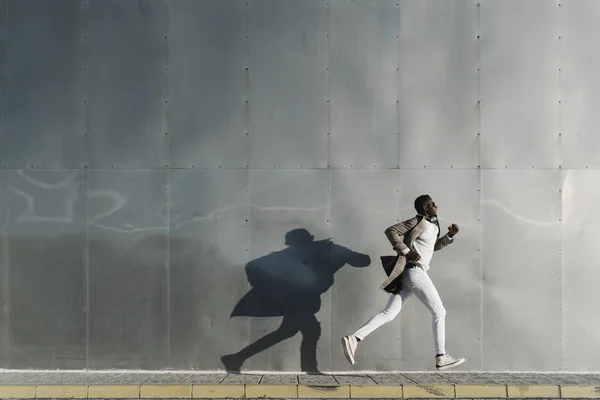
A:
111,385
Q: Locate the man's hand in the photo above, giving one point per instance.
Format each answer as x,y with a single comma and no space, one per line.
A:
413,256
453,229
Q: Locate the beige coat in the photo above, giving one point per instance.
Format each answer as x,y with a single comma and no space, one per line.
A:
402,237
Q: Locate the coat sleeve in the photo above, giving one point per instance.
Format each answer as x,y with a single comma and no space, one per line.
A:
396,233
443,242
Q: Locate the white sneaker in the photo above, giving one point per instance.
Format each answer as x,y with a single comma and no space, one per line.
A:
446,362
349,344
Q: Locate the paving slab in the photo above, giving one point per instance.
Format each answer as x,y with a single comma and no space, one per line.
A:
427,379
465,378
391,379
279,379
317,380
167,379
241,379
354,380
204,379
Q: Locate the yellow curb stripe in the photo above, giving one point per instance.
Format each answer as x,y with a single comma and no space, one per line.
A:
375,391
277,391
61,391
580,391
166,391
428,391
522,391
113,391
298,391
480,391
314,392
17,391
218,391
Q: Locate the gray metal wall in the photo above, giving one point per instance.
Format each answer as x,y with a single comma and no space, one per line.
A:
152,149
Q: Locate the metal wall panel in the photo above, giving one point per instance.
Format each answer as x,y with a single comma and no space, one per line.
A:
364,203
580,296
455,270
128,274
363,57
47,267
579,63
521,244
208,250
438,84
288,103
47,123
208,116
127,80
287,208
519,84
194,266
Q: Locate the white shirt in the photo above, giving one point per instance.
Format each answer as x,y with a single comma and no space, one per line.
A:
425,244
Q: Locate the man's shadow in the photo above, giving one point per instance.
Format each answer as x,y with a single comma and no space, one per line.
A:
289,283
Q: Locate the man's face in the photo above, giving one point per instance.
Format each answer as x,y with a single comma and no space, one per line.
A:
430,208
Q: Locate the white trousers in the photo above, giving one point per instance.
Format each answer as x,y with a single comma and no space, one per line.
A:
415,281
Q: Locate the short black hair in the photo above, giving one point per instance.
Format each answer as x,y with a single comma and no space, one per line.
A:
420,202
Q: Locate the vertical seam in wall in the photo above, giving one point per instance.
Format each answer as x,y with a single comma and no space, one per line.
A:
168,183
6,257
248,125
562,176
397,90
480,190
85,6
329,216
5,72
397,83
